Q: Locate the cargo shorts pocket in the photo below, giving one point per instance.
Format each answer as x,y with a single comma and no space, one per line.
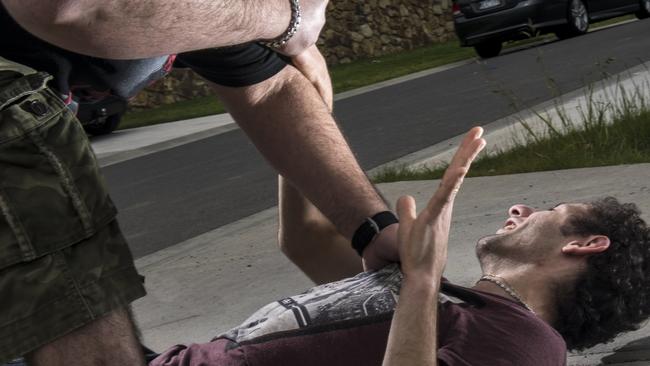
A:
52,194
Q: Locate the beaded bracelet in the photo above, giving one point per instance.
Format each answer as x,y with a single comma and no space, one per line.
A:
291,30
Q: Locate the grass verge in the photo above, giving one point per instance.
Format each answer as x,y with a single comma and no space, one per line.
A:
607,135
370,71
198,107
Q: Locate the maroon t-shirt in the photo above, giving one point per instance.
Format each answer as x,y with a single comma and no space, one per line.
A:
347,323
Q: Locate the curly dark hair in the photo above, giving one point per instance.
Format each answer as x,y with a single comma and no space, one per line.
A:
613,294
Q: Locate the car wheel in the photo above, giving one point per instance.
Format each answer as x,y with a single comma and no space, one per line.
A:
644,12
107,126
488,49
577,20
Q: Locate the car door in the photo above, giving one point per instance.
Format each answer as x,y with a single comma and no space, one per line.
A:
597,6
604,6
474,8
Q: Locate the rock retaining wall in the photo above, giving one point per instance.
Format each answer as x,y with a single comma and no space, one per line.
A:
362,29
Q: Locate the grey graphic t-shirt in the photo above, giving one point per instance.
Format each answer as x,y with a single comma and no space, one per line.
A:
347,323
365,295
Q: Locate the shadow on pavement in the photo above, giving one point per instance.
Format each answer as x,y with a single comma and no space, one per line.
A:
637,350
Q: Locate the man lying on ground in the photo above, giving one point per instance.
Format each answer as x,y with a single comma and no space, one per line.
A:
571,276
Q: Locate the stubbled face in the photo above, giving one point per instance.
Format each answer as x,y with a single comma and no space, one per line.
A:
528,235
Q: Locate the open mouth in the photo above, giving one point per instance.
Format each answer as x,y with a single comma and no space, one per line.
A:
510,225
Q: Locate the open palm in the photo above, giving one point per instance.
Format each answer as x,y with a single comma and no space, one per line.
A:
423,238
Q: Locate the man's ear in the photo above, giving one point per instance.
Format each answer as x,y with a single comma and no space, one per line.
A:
592,244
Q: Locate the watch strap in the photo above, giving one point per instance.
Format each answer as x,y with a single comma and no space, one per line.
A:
370,227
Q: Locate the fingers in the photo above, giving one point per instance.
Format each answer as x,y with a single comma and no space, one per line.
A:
312,65
480,145
407,213
325,83
450,184
406,210
451,181
447,190
469,147
324,88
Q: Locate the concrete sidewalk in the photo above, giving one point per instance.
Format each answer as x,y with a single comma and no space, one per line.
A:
210,283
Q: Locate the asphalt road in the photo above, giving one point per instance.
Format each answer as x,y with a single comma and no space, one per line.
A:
176,194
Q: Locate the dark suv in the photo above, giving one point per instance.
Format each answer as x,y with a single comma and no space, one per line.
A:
486,24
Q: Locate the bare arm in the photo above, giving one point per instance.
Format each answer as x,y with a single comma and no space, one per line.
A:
287,120
413,338
423,252
329,259
305,235
311,241
143,28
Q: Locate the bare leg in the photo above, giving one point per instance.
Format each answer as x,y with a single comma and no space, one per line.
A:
109,340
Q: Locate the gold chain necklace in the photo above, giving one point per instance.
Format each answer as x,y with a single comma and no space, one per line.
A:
507,288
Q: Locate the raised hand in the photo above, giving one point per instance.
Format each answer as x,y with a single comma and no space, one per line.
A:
423,238
423,252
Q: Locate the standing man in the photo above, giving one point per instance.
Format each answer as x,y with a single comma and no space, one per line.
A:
66,274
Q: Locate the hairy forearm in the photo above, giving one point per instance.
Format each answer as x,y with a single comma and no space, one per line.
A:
143,28
289,123
413,336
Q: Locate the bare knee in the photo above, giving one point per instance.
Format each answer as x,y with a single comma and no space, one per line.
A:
108,340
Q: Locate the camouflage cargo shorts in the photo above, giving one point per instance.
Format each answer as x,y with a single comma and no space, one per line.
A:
63,259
